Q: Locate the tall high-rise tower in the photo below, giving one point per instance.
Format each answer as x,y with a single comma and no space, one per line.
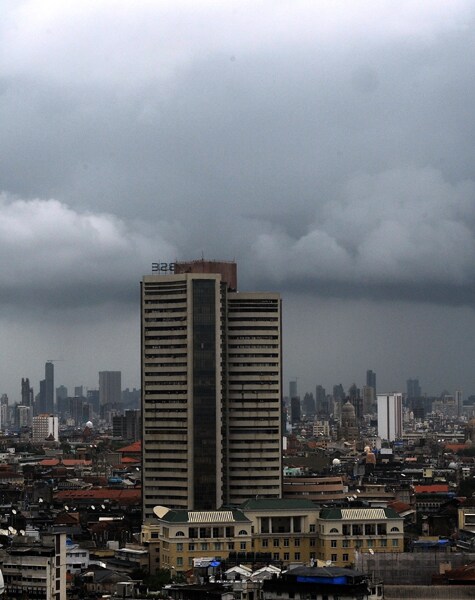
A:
371,379
49,387
110,390
211,389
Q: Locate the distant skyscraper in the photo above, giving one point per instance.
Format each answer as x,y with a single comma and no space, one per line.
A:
413,388
49,387
61,393
78,391
26,392
4,411
293,393
371,379
321,402
211,389
390,416
369,399
308,405
22,416
93,399
295,410
110,390
459,402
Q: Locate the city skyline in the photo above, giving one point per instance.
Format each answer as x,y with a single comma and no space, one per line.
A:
326,148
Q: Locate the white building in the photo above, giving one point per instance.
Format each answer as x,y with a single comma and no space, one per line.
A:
45,427
77,558
390,416
36,569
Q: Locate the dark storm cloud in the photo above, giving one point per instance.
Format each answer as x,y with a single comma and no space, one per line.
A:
327,147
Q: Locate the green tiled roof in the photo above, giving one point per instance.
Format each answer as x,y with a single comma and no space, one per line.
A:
277,504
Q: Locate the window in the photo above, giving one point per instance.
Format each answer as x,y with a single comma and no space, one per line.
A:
395,529
297,556
286,542
230,545
370,543
243,532
191,547
345,557
312,528
243,545
179,561
313,542
345,543
204,546
180,534
179,547
275,556
395,543
217,545
333,530
384,543
286,556
346,529
297,542
333,543
370,529
276,542
334,557
265,543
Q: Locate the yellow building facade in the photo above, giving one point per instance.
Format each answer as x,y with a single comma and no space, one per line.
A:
344,531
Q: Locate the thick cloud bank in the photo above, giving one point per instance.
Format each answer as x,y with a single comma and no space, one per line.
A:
53,256
404,228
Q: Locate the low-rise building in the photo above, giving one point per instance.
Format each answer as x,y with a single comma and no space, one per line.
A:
183,535
285,528
36,568
344,531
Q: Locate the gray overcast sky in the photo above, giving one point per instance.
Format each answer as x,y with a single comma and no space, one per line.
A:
327,146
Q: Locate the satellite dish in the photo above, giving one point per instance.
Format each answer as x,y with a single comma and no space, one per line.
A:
402,475
93,507
103,506
22,532
14,532
359,491
328,563
40,500
371,551
66,507
13,511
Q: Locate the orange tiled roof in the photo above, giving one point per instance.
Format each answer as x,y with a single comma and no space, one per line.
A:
72,462
49,462
129,460
455,447
431,489
66,462
126,495
134,448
